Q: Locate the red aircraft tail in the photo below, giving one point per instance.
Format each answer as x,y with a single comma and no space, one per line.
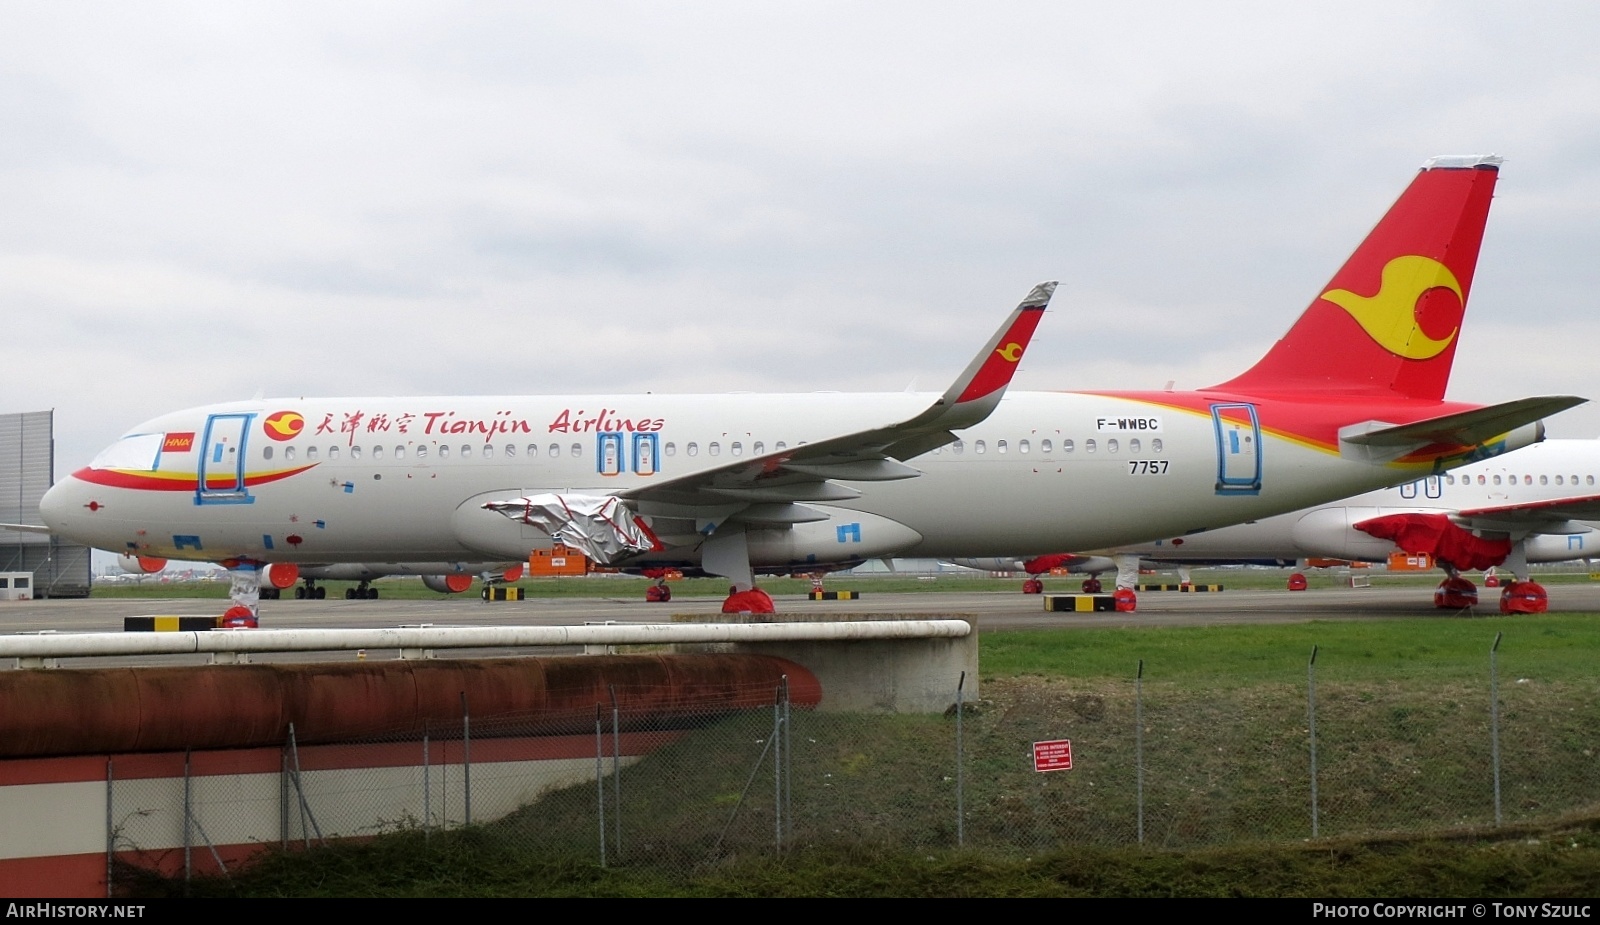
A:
1388,321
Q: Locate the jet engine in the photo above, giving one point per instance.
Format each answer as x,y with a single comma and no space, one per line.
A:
141,565
454,583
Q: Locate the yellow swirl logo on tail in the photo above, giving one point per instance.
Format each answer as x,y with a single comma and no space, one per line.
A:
1011,352
1390,317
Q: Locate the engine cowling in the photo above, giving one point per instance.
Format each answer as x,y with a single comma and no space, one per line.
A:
280,575
141,565
454,583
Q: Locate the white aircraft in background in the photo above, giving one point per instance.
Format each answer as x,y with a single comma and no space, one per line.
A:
275,578
1523,507
1351,399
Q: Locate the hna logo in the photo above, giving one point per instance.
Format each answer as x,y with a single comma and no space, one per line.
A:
178,443
284,425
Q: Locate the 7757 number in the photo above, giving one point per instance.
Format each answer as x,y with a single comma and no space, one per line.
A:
1147,466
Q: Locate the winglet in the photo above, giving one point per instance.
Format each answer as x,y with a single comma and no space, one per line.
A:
985,379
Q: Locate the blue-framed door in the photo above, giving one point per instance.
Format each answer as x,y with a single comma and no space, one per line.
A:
220,478
1238,448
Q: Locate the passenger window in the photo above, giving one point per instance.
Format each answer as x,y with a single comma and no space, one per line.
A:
957,447
1067,446
672,448
1022,446
1155,444
1045,446
266,452
977,446
444,452
1088,446
1544,480
577,450
715,448
1133,445
999,446
311,453
555,450
736,448
780,445
758,448
333,452
693,449
377,452
1497,480
1111,445
288,453
355,452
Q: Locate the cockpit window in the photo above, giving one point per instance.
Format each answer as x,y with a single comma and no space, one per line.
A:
135,451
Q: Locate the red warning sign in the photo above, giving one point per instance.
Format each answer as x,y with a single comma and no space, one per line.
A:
1055,755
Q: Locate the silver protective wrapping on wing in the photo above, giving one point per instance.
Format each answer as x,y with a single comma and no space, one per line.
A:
599,526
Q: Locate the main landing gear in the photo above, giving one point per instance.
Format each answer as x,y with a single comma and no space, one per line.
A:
310,592
727,553
361,592
1519,595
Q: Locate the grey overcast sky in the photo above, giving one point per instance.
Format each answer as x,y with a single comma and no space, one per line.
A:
203,201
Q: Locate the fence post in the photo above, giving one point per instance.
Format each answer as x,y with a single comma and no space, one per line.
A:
789,762
1311,715
600,781
961,795
188,840
111,831
616,770
777,768
427,785
1138,745
466,760
1494,722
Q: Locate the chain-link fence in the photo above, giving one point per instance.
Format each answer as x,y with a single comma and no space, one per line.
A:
1153,761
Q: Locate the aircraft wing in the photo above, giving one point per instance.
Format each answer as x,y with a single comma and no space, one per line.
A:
1552,516
771,488
23,528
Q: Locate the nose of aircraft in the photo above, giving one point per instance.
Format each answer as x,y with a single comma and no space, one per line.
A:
62,508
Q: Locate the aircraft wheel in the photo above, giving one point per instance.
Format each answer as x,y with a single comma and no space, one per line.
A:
299,593
372,594
349,594
320,593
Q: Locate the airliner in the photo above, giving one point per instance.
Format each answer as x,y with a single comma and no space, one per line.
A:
275,578
1349,400
1537,504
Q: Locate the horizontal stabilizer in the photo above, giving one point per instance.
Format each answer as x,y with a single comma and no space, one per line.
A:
1467,428
24,528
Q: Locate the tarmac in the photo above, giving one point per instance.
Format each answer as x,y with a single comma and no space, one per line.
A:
991,611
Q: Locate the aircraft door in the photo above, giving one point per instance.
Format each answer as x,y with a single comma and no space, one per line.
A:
609,459
644,454
1238,449
220,478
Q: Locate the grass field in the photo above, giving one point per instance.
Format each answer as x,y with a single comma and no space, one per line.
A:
1405,800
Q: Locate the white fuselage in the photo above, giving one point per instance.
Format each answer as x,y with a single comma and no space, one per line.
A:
404,479
1554,469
